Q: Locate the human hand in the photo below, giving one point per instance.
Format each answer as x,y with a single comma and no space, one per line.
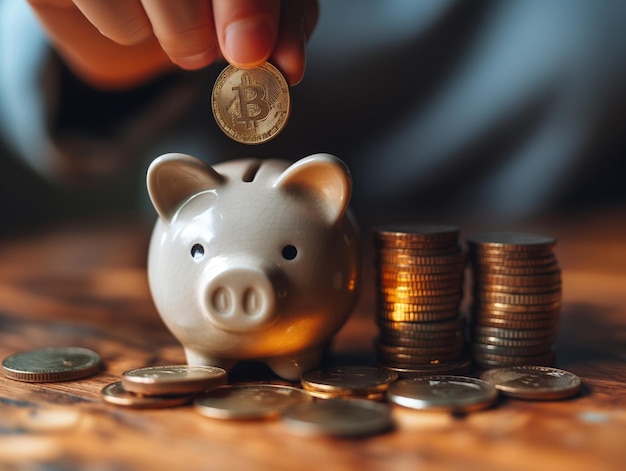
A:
134,39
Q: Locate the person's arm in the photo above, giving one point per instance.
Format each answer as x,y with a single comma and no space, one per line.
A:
123,43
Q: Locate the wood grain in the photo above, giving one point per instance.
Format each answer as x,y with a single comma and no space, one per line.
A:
84,285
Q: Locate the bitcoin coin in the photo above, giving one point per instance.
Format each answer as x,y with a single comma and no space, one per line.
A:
173,379
339,418
533,382
445,393
115,393
249,402
348,380
251,106
52,364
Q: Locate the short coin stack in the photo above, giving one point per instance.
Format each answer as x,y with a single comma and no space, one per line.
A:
163,386
420,272
354,382
516,299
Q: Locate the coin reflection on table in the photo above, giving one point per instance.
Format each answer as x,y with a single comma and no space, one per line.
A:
339,418
248,402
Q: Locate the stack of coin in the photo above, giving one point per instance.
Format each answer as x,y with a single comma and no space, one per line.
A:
516,299
355,382
163,386
420,272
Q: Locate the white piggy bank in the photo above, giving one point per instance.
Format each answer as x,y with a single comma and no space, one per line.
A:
253,259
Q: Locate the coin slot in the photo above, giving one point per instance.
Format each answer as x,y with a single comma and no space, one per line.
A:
251,171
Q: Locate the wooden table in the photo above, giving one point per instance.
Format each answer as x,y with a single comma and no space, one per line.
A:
84,284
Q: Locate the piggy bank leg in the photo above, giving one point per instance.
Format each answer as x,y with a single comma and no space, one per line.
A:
195,358
292,367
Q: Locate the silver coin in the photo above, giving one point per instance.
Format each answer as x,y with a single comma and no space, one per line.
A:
255,401
339,418
52,364
533,382
173,379
446,393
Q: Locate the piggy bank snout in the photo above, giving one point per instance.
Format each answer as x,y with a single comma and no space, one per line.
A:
239,298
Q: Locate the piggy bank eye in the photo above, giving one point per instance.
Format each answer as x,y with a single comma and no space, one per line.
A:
197,251
289,252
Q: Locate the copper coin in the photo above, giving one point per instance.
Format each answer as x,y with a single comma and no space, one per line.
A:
510,241
519,280
456,367
251,106
446,326
480,330
495,361
517,299
173,379
417,316
348,379
115,393
538,289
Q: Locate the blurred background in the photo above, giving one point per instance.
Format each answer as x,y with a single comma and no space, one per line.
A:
442,109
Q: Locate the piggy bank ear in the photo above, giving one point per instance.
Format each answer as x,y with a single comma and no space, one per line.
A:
174,178
323,179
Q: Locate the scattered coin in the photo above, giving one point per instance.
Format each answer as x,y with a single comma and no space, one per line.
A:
52,364
115,393
173,379
245,402
443,393
348,380
251,106
339,418
533,382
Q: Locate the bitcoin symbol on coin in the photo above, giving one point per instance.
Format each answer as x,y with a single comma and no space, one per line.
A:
252,103
251,106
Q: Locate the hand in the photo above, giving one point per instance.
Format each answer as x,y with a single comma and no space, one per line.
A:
135,39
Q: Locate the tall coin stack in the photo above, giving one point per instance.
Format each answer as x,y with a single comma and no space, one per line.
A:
420,273
516,299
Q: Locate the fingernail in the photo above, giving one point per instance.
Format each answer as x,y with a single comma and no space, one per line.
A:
196,61
248,42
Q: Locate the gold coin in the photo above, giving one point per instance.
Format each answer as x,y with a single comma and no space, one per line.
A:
446,326
455,340
517,299
412,258
444,393
538,289
417,316
339,418
519,280
505,323
451,269
425,233
490,360
511,351
115,393
480,330
251,106
52,364
538,262
348,380
249,402
173,379
516,343
492,269
517,308
533,382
